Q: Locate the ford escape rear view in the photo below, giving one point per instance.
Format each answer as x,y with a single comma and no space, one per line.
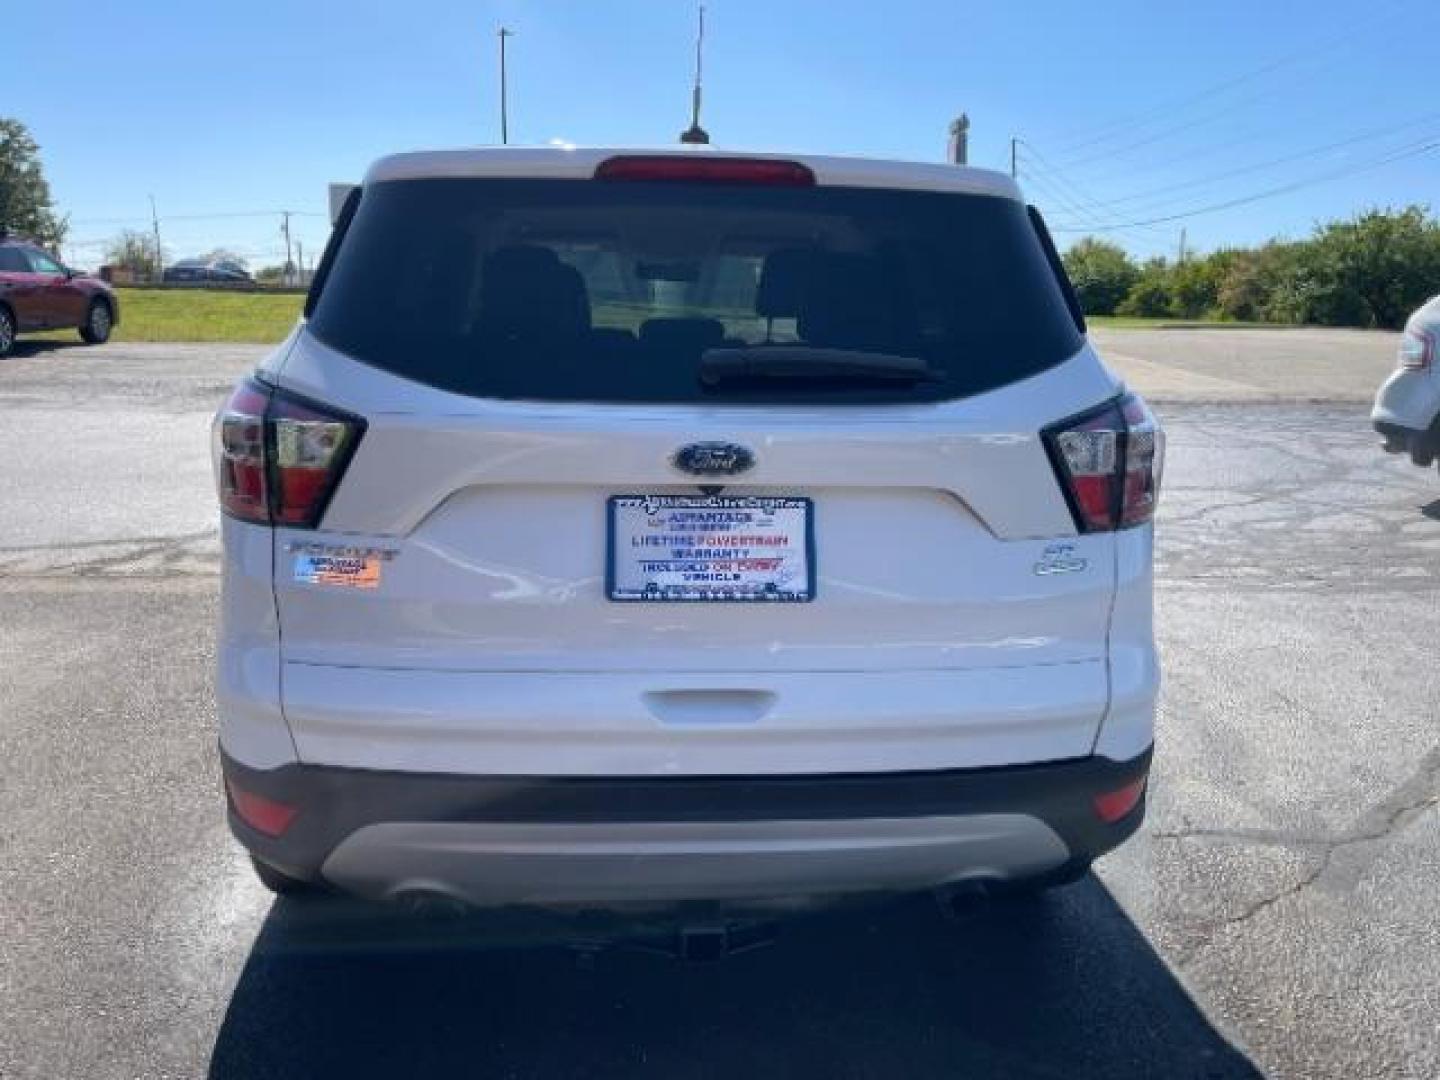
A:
631,528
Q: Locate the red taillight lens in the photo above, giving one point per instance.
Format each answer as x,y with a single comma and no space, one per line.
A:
239,449
712,170
1144,461
1111,806
1417,350
1109,463
261,814
277,458
311,447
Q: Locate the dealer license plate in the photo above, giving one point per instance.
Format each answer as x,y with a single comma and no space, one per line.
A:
711,548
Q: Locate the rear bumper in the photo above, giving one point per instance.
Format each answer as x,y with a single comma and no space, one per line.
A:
1407,413
1423,445
637,840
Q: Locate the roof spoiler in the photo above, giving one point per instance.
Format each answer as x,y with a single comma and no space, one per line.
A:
338,194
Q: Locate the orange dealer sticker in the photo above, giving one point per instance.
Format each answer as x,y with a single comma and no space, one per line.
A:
356,572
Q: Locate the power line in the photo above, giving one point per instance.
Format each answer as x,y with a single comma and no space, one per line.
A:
1098,209
1079,213
211,216
1162,134
1159,195
1423,146
1114,128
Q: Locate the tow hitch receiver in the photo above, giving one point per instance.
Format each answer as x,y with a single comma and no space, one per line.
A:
695,943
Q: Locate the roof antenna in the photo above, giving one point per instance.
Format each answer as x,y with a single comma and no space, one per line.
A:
695,133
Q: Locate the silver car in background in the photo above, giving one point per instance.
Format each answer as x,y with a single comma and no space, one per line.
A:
1407,407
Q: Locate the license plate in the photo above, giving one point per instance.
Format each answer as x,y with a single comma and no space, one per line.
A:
711,548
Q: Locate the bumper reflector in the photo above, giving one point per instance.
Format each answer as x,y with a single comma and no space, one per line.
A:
261,814
1111,806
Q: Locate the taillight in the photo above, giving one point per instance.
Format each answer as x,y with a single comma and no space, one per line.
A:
239,451
261,814
704,169
311,447
1109,462
1111,806
278,458
1417,350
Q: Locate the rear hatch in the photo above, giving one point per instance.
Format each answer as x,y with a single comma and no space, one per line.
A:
693,477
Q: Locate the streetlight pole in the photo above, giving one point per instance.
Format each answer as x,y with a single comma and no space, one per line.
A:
159,272
504,104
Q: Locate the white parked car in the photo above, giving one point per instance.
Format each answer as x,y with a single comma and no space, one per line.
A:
633,528
1407,408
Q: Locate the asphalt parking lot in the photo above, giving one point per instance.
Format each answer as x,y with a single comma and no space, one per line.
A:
1276,913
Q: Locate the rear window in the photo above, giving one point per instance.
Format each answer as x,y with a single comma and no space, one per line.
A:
617,291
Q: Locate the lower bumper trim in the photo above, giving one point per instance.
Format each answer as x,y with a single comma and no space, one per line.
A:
664,862
580,839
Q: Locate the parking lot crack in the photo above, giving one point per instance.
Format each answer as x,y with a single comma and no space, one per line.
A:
1409,801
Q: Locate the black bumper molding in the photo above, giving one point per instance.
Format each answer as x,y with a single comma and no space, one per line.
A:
335,802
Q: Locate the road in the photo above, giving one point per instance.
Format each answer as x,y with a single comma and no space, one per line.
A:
1277,908
1251,366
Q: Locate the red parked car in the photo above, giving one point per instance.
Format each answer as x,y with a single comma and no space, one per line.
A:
38,293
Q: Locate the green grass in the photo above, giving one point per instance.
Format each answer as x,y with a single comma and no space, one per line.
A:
201,315
205,315
211,315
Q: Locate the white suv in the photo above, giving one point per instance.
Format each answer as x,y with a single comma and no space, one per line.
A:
1407,407
630,528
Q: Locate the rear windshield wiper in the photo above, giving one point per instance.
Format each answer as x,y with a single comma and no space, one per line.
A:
810,363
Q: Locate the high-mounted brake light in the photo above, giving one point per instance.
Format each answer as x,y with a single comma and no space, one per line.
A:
706,170
278,458
1109,463
1417,350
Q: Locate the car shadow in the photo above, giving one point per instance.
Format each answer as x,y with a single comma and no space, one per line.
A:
26,347
1065,986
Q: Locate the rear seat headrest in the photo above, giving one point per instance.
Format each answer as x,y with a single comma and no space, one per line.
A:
528,292
784,276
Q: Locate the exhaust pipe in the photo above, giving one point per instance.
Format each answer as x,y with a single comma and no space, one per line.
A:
964,901
430,903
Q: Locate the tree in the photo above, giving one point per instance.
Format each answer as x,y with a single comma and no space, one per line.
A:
1150,297
25,205
1102,274
1371,270
1260,285
135,252
1195,284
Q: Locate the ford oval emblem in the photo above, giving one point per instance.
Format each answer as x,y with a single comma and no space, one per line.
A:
713,459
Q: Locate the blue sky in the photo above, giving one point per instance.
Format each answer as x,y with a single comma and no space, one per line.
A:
1131,110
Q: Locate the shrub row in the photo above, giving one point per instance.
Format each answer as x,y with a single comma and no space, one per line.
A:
1369,271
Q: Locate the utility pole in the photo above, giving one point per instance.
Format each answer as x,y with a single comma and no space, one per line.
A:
300,259
159,251
1014,169
695,134
285,228
503,33
1182,245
